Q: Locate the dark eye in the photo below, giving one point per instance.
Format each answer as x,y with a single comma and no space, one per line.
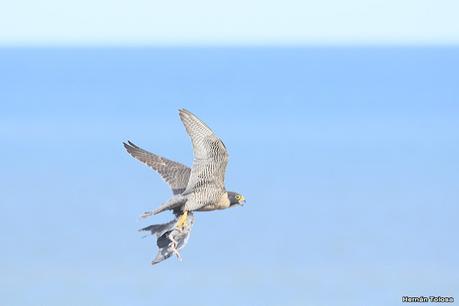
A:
238,197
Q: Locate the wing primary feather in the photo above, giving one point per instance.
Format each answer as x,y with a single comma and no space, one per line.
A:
174,173
207,178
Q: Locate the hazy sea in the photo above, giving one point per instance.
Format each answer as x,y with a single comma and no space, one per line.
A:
348,158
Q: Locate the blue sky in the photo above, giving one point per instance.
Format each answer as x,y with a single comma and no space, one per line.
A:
293,22
347,157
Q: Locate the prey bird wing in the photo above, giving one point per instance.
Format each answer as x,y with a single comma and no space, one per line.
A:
174,173
210,156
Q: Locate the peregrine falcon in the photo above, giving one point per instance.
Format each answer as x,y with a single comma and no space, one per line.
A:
200,188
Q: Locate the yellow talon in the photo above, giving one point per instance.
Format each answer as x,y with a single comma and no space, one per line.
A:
182,220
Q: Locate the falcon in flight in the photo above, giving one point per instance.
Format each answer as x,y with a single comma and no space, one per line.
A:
199,188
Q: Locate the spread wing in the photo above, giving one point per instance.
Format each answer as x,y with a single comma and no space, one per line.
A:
210,157
175,174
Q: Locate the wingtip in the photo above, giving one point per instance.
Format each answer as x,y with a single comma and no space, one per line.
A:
184,111
130,145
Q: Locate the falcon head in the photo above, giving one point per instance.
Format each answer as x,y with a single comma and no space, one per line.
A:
235,198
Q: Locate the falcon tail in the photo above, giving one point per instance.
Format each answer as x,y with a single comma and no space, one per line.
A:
170,239
175,202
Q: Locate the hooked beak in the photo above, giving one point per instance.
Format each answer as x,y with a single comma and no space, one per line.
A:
242,201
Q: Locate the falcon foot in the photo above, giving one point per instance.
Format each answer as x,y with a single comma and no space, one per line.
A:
182,220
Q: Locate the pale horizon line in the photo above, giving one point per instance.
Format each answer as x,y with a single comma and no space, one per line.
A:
229,45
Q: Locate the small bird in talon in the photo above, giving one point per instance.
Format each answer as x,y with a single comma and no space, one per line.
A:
170,240
199,188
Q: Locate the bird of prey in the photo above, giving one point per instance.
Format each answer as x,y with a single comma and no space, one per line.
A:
201,188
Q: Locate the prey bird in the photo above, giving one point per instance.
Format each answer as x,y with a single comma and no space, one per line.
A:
201,188
169,238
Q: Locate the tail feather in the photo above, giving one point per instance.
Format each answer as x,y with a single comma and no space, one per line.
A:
159,229
173,203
